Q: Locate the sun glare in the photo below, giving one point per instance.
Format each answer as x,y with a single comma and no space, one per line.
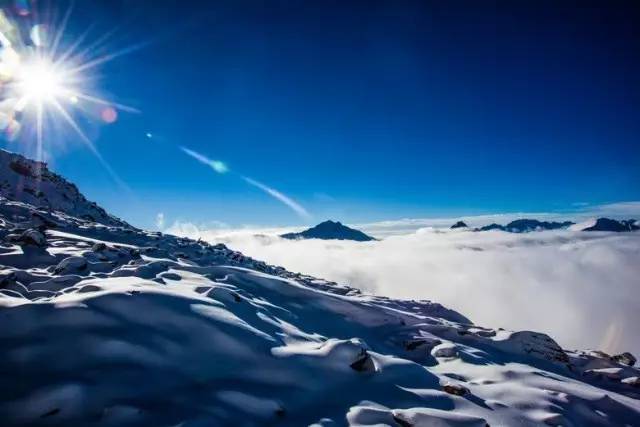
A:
40,82
47,82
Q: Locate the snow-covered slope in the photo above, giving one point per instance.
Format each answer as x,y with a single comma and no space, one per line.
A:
107,325
30,181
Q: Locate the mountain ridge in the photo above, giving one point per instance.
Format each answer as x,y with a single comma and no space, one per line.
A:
30,181
108,325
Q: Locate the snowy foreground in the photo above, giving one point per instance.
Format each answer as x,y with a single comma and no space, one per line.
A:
110,326
102,324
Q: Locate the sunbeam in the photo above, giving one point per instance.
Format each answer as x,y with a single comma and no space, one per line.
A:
44,82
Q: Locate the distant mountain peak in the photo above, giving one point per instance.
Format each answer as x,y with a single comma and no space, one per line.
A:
608,224
330,230
459,224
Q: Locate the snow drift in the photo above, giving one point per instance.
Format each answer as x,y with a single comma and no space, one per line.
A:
107,325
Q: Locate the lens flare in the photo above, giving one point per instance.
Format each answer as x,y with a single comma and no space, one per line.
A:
46,82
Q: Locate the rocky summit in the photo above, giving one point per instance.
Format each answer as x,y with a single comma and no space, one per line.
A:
330,230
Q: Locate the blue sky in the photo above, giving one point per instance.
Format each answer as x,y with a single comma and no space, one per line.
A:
362,111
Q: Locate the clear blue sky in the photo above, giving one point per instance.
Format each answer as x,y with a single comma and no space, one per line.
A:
363,111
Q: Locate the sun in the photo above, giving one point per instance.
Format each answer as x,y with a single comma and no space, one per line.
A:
39,81
47,82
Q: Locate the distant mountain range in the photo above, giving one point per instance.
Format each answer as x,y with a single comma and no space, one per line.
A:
606,224
330,230
334,230
527,225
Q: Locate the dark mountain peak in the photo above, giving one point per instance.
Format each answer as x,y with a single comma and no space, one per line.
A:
460,224
492,226
329,223
525,225
608,224
330,230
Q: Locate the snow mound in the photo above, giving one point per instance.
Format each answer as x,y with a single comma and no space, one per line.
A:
107,325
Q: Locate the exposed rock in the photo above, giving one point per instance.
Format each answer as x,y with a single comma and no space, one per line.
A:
71,264
610,373
632,381
364,363
445,350
99,247
534,344
421,343
33,237
456,389
625,358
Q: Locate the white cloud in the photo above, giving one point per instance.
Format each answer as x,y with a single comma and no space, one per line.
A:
160,220
579,287
215,230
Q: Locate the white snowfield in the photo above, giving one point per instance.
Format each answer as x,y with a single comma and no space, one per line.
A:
102,324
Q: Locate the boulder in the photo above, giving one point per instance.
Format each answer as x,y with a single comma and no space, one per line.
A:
71,264
445,350
632,381
31,237
534,344
455,389
99,247
364,363
625,358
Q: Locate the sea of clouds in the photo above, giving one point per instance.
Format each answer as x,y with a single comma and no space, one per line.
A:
582,288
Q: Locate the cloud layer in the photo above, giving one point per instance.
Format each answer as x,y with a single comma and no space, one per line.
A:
579,287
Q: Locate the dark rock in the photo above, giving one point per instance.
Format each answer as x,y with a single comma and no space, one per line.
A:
364,363
632,381
99,247
32,237
455,389
625,358
401,422
416,343
70,265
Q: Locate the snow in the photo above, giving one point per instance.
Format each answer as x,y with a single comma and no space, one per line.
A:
107,325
